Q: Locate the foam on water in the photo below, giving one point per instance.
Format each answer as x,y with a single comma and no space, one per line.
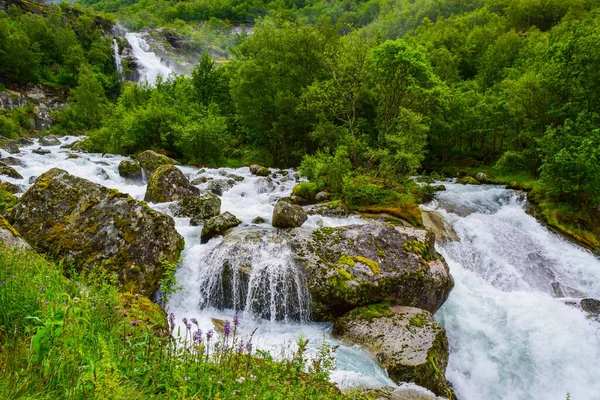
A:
511,333
149,65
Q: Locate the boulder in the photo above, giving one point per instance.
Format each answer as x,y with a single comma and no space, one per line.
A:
306,191
591,306
7,202
9,187
49,140
198,208
468,180
287,215
9,235
228,175
9,171
400,393
130,169
481,177
40,151
357,265
200,180
10,146
220,186
25,142
440,188
14,162
150,161
79,145
218,225
259,220
168,183
322,196
406,341
259,170
72,156
94,226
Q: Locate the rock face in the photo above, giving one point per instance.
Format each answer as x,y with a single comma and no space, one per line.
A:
150,161
49,140
168,183
287,215
218,225
259,170
357,265
198,208
92,225
130,169
406,341
9,235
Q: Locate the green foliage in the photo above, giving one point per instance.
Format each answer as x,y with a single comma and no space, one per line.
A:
330,169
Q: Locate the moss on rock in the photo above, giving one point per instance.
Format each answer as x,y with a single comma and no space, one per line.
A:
168,183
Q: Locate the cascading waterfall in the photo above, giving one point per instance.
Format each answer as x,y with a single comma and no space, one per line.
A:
150,66
117,55
514,329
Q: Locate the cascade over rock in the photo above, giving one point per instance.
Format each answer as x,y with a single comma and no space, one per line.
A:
168,183
92,225
218,225
405,340
357,265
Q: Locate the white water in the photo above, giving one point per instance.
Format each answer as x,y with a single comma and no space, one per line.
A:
286,310
150,66
510,336
117,56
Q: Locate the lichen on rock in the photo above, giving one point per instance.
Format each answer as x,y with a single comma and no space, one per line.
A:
130,169
168,183
198,208
218,225
151,160
287,215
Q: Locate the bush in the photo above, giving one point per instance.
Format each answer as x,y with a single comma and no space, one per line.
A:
8,128
331,169
511,161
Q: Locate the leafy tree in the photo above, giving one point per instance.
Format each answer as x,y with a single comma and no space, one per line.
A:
87,100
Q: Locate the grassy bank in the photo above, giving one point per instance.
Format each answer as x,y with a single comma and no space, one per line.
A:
80,338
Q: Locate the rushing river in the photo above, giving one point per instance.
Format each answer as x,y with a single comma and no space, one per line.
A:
513,329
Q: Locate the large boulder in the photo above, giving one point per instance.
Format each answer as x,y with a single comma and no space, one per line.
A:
357,265
94,226
481,177
406,341
150,161
168,183
9,145
49,140
218,225
130,169
220,186
9,171
287,215
259,170
9,235
592,307
198,208
468,180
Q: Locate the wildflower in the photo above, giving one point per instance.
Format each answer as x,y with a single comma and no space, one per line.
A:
227,328
194,321
46,303
187,378
249,347
209,334
185,320
198,336
188,326
241,379
3,282
172,321
240,347
236,320
138,295
134,322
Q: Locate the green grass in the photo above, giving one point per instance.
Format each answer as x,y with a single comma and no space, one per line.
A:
80,338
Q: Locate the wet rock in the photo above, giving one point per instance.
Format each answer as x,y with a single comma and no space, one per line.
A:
400,393
150,161
218,225
9,235
468,180
9,171
306,191
259,220
25,142
32,179
322,196
220,186
228,175
356,265
102,174
168,183
331,209
481,177
14,162
591,306
49,140
9,187
94,226
130,169
10,146
200,180
259,170
72,156
440,188
198,208
80,146
406,341
41,152
287,215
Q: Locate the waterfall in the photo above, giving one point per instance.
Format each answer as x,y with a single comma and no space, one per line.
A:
150,66
118,64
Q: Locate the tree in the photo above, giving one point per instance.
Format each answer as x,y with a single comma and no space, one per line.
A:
87,99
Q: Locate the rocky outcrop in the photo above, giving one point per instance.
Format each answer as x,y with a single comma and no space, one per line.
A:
168,183
41,152
93,226
150,161
45,99
7,202
130,169
198,208
406,341
49,140
9,171
9,235
357,265
9,187
13,162
287,215
218,226
322,196
259,170
10,146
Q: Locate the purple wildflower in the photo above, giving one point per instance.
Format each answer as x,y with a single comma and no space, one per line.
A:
236,320
172,321
249,347
46,303
185,320
198,336
209,334
3,282
134,322
194,321
240,347
188,326
227,328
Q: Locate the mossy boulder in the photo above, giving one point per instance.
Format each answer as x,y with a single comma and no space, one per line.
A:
218,225
357,265
11,146
94,226
307,191
259,170
49,140
10,236
151,160
9,187
481,177
168,183
468,180
7,201
287,215
198,208
406,341
12,161
130,169
7,170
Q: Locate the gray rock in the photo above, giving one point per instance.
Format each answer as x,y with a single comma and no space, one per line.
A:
150,161
14,162
591,306
287,215
322,196
259,170
102,174
481,177
41,152
9,145
198,208
406,341
200,180
49,140
94,226
218,226
9,235
259,220
168,183
440,188
220,186
32,179
25,142
130,169
72,156
10,187
9,171
228,175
